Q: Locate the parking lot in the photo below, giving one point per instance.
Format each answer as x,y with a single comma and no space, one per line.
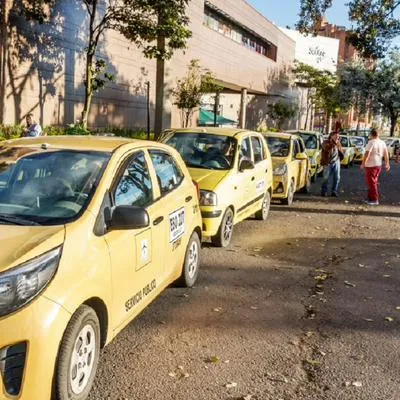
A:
302,306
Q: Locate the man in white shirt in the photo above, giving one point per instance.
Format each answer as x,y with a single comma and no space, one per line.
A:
375,151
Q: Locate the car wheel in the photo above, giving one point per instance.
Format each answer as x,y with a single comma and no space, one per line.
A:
225,231
78,356
289,199
307,187
262,214
191,265
314,177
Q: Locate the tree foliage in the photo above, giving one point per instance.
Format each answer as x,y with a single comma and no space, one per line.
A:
282,111
375,23
190,89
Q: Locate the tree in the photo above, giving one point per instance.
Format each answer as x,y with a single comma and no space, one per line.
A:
190,89
325,87
385,88
375,23
159,27
281,111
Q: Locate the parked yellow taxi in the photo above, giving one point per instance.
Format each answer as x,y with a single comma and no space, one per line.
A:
234,172
392,144
313,143
349,151
291,166
359,143
92,230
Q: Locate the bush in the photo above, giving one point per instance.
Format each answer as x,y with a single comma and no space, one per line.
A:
11,131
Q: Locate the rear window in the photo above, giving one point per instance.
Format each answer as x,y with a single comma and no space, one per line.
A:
278,147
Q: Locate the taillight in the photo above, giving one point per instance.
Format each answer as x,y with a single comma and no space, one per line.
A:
196,185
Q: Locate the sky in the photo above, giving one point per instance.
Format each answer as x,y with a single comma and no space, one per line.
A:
287,15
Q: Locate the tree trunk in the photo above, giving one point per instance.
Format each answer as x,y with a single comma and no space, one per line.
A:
3,55
393,123
88,89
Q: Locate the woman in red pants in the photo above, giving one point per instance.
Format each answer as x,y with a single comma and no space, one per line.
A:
375,151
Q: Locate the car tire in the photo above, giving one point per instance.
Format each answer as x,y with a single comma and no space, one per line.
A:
191,265
225,231
289,199
307,188
262,214
78,356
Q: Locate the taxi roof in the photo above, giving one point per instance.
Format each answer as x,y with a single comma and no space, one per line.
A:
298,131
96,143
212,130
282,135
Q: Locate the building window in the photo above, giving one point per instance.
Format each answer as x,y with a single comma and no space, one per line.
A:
221,23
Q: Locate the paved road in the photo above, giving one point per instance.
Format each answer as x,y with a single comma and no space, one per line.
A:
304,306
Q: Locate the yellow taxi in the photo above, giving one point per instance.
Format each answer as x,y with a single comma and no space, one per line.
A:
92,230
349,151
234,172
291,166
359,143
313,143
392,144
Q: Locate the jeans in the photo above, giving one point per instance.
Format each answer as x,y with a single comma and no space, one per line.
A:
331,170
372,178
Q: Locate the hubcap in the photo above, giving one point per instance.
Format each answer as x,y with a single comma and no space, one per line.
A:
82,359
266,205
291,193
228,227
193,259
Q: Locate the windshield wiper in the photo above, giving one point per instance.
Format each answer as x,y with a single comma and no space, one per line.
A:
13,219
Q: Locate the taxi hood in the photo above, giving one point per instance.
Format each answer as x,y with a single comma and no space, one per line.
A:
22,243
207,179
278,161
311,152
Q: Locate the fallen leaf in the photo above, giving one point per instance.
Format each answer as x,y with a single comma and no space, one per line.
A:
257,249
217,309
368,320
172,374
361,265
254,308
398,308
180,367
389,319
356,384
247,397
386,276
231,385
213,360
347,283
186,375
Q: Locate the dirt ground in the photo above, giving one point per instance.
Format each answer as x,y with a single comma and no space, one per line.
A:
303,306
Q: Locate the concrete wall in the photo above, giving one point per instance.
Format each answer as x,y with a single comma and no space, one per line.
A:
44,66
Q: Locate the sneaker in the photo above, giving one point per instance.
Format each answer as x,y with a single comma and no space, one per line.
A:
334,194
373,203
324,194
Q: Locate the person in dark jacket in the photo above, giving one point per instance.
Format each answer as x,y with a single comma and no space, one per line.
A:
330,160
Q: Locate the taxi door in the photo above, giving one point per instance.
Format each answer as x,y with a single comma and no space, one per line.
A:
244,183
137,255
295,164
303,164
261,168
177,201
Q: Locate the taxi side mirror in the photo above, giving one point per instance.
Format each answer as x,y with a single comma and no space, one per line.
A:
127,217
301,156
245,164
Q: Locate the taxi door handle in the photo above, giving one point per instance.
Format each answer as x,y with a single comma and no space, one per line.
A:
188,199
253,178
158,220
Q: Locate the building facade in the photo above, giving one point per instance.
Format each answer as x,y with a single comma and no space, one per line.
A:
42,66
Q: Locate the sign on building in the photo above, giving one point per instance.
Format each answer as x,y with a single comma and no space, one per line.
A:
318,51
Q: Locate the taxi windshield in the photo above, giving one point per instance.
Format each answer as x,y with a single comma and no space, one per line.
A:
344,141
357,141
309,140
47,187
278,147
204,150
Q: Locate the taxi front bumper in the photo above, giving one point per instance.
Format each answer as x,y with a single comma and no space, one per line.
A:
280,187
212,218
29,342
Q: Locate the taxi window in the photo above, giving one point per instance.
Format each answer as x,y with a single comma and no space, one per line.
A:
310,140
344,141
168,173
134,187
245,151
258,149
296,148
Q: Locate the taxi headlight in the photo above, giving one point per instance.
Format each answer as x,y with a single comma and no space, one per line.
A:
23,283
281,170
208,198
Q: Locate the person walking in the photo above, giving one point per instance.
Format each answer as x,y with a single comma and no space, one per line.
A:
32,129
330,160
375,151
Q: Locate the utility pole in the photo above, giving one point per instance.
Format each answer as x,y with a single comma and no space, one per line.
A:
216,108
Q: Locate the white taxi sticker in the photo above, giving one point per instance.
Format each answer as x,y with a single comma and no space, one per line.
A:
176,224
